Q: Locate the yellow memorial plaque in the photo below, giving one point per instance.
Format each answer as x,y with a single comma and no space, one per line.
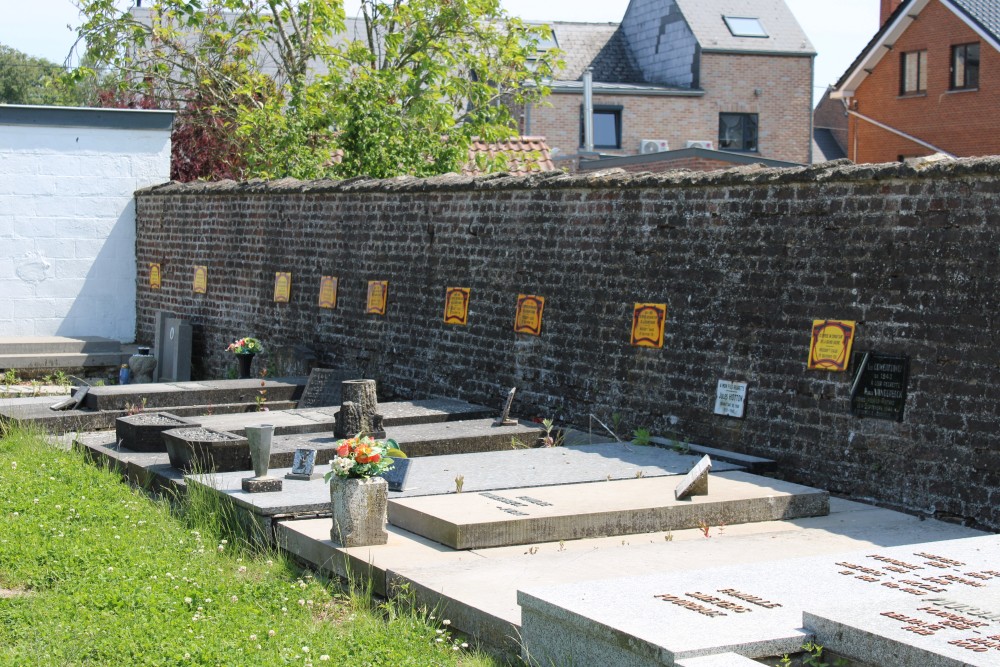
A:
378,296
154,276
200,279
456,305
328,292
648,320
282,287
830,347
528,319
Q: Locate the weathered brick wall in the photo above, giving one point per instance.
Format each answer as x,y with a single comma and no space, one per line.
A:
745,261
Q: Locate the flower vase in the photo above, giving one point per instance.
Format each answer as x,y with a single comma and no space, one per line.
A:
259,438
359,510
244,361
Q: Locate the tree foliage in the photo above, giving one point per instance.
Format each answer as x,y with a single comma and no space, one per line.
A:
297,91
28,80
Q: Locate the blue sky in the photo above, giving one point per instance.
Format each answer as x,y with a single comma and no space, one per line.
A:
837,28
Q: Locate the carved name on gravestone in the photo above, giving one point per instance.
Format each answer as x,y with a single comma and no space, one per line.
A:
730,398
880,383
303,465
695,483
504,418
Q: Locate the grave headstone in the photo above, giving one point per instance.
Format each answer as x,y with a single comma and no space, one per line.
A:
175,362
504,418
695,483
303,465
322,389
160,318
879,389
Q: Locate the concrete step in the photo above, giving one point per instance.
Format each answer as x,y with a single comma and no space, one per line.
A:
55,345
62,360
205,394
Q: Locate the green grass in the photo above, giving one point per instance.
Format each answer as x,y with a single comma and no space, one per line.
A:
112,577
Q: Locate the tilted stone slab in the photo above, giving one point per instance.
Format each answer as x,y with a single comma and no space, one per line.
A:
768,609
568,512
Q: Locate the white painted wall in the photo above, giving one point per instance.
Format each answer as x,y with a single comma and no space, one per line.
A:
67,218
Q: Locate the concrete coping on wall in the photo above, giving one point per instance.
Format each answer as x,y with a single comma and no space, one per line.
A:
834,171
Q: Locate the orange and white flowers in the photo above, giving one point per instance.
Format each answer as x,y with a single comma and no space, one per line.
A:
360,457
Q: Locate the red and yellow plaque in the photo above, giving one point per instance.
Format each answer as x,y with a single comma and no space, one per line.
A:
282,287
648,321
456,305
528,318
378,296
154,276
830,346
328,292
200,279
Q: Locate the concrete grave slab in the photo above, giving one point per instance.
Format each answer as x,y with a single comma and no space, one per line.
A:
545,514
954,629
753,610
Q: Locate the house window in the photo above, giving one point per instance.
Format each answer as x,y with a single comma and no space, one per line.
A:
913,69
742,26
738,132
607,127
964,66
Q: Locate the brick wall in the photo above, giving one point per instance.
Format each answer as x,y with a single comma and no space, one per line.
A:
784,108
745,262
960,122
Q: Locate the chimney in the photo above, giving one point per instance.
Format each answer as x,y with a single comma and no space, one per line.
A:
888,7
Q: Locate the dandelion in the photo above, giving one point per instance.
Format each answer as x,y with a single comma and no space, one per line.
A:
208,600
234,599
111,569
270,633
253,638
187,656
188,600
221,548
36,501
284,610
305,649
302,602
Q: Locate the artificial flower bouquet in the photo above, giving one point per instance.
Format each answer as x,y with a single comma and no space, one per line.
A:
245,346
361,457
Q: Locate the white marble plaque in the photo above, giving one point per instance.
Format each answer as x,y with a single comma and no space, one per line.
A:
730,398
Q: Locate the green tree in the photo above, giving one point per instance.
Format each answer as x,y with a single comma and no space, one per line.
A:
304,98
28,80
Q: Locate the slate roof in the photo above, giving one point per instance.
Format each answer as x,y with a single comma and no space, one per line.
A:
525,155
602,46
785,35
825,146
984,13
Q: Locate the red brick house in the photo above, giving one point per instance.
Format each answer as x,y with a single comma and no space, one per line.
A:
732,75
928,82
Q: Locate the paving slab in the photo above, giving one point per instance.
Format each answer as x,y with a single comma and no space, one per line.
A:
752,610
477,589
171,394
594,509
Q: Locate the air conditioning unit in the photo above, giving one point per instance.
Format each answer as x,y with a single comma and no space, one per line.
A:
701,144
647,146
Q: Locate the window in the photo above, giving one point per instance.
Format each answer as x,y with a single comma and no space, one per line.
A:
965,66
607,127
913,73
738,132
741,26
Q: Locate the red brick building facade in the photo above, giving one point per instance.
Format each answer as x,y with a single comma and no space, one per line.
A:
928,82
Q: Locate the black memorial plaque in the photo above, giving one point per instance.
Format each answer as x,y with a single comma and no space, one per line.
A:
396,476
879,389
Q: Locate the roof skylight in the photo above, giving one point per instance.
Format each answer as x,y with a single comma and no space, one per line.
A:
743,26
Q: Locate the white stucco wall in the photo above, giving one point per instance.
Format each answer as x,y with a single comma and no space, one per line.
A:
67,217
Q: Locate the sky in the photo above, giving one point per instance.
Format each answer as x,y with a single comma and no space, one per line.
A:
838,29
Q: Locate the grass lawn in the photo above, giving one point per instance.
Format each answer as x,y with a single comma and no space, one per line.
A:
94,572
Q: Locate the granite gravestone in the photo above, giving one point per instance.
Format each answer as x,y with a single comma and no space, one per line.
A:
303,465
173,350
880,382
322,389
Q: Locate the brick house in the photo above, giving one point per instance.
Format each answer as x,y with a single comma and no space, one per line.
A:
928,82
734,75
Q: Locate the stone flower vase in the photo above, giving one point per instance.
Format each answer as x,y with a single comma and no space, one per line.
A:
244,361
359,510
259,438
